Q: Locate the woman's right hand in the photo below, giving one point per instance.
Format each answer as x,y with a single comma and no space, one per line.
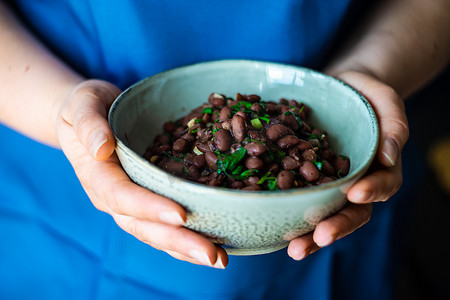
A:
88,142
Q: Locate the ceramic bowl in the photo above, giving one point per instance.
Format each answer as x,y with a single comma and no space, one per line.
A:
244,222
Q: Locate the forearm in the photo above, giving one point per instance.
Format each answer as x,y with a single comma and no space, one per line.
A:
404,43
34,83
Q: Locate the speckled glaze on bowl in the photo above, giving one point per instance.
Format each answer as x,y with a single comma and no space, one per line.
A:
245,223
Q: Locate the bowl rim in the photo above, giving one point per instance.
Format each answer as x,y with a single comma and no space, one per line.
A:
202,188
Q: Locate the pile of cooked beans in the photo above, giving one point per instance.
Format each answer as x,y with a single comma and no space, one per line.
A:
248,144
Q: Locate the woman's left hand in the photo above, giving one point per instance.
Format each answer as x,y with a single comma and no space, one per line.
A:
382,180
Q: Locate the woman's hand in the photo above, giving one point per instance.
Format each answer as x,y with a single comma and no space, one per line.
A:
381,181
88,142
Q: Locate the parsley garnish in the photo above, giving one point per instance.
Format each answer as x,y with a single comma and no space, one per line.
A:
207,110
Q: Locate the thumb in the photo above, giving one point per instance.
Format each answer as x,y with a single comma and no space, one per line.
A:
390,111
86,110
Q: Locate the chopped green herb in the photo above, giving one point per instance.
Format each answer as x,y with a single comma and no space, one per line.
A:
339,173
265,177
301,109
318,165
245,104
247,174
198,121
230,161
271,181
343,157
265,119
287,113
207,110
195,130
238,170
256,141
256,123
314,136
273,185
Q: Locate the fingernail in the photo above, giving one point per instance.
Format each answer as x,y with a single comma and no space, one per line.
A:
97,140
200,257
360,197
324,241
219,263
390,150
171,217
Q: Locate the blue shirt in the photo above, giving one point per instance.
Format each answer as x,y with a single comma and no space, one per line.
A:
55,244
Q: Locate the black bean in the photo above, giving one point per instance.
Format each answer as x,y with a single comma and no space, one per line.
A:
257,135
181,145
216,100
194,172
206,118
327,169
256,107
252,188
189,159
255,148
324,179
203,147
285,180
254,162
253,98
288,163
314,142
288,141
276,131
199,161
237,184
274,168
173,167
327,154
223,140
309,171
211,160
252,180
341,165
242,114
239,128
309,154
225,113
290,120
303,145
188,137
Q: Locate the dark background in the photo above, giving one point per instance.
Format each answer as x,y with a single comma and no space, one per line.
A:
425,270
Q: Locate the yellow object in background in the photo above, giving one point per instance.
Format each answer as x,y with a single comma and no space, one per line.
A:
439,159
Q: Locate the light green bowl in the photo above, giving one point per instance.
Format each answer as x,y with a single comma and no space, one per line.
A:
246,223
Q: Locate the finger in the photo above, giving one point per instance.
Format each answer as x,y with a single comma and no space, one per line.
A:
377,186
301,247
86,111
113,190
347,220
186,242
221,263
390,111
